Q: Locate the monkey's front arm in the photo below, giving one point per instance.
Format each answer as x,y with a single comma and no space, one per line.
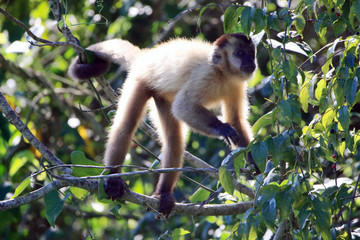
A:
202,120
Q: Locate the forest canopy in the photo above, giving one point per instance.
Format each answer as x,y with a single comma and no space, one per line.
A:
304,114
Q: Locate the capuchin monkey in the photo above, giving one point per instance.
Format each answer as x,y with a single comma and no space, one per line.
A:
185,78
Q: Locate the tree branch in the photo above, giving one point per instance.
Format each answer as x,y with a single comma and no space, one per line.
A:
16,121
77,47
92,186
55,7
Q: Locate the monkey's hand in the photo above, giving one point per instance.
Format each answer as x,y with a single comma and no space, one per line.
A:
114,187
229,133
167,202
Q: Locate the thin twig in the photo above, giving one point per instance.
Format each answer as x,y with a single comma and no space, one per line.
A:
33,36
161,170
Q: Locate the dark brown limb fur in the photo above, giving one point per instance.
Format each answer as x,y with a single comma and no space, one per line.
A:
233,115
114,187
171,154
130,110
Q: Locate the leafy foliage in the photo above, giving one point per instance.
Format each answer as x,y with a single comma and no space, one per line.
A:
305,114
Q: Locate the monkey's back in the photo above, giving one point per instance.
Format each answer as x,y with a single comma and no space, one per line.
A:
168,66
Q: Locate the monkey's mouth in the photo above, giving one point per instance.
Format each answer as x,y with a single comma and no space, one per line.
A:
248,69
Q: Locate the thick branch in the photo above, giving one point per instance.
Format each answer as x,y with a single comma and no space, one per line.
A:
92,186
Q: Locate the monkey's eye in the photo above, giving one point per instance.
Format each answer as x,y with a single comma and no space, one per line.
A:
238,53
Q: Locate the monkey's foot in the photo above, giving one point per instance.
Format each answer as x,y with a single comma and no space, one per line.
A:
167,202
114,187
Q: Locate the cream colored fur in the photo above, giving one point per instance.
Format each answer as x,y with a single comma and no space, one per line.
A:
185,78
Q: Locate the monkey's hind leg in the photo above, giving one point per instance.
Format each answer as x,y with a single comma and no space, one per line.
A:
131,106
172,139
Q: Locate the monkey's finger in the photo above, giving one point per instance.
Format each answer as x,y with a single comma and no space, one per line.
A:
227,141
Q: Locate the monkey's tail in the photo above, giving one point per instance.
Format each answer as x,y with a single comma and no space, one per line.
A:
101,55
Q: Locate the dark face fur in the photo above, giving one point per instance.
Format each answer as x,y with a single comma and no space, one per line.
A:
236,52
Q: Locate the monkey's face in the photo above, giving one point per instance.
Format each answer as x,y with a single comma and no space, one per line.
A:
241,53
237,54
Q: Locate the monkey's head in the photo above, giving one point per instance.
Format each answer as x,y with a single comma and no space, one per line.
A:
235,53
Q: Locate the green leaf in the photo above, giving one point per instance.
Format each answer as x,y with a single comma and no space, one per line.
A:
290,71
4,127
328,118
299,23
268,210
178,232
304,96
295,108
285,114
283,202
23,185
17,163
231,17
339,27
356,6
79,192
303,217
199,196
259,19
53,206
102,196
350,60
226,180
325,67
115,211
321,210
343,73
351,86
273,22
339,91
321,86
259,152
263,121
343,196
79,158
239,162
323,103
268,191
246,20
344,117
